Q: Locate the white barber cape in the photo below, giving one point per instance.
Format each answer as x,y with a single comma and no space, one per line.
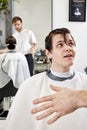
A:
13,65
20,117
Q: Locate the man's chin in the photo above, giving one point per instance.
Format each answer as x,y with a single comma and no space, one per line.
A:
18,30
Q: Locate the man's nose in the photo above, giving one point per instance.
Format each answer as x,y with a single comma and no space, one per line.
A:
67,47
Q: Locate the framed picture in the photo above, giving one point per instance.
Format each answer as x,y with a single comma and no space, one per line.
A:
77,10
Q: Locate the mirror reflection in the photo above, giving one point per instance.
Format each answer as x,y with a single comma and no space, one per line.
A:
36,16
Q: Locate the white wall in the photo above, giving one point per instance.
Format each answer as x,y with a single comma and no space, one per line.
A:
78,29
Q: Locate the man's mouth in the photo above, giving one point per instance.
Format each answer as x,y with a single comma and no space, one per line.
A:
68,55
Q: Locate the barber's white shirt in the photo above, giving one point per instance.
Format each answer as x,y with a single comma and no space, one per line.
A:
25,40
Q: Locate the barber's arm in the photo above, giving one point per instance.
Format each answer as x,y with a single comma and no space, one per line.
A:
63,102
34,48
3,50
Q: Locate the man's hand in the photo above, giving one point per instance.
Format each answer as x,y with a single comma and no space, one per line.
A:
3,50
61,103
33,49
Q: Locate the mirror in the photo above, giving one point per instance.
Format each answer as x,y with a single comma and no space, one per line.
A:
36,16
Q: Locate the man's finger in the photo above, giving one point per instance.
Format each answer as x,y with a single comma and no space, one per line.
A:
41,108
57,89
45,114
42,99
54,118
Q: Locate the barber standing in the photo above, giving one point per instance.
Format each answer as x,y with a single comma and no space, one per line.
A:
26,42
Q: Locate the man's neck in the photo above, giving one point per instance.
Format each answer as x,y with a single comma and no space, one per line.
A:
20,30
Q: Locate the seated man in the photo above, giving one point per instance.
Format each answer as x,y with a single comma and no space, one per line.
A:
13,68
13,65
60,48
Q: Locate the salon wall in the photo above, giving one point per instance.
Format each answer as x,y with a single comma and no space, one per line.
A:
78,29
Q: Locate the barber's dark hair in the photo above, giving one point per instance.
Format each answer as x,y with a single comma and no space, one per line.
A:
16,18
49,38
11,42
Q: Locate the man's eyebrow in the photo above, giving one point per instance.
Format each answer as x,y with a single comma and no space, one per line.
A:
71,40
60,41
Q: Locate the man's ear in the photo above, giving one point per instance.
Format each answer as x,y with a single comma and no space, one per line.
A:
48,54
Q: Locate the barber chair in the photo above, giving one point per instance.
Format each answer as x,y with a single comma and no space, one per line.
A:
13,71
6,93
8,90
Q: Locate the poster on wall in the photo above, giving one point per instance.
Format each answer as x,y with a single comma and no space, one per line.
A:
77,10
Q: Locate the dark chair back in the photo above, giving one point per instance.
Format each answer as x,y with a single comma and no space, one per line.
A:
8,90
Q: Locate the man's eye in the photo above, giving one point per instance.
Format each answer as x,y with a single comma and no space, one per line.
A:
71,44
60,44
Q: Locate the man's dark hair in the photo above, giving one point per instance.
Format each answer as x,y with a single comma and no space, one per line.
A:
48,39
11,42
16,18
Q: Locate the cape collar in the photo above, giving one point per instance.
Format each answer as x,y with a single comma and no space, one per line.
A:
57,78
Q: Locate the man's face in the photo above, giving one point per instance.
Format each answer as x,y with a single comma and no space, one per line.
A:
18,25
62,53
